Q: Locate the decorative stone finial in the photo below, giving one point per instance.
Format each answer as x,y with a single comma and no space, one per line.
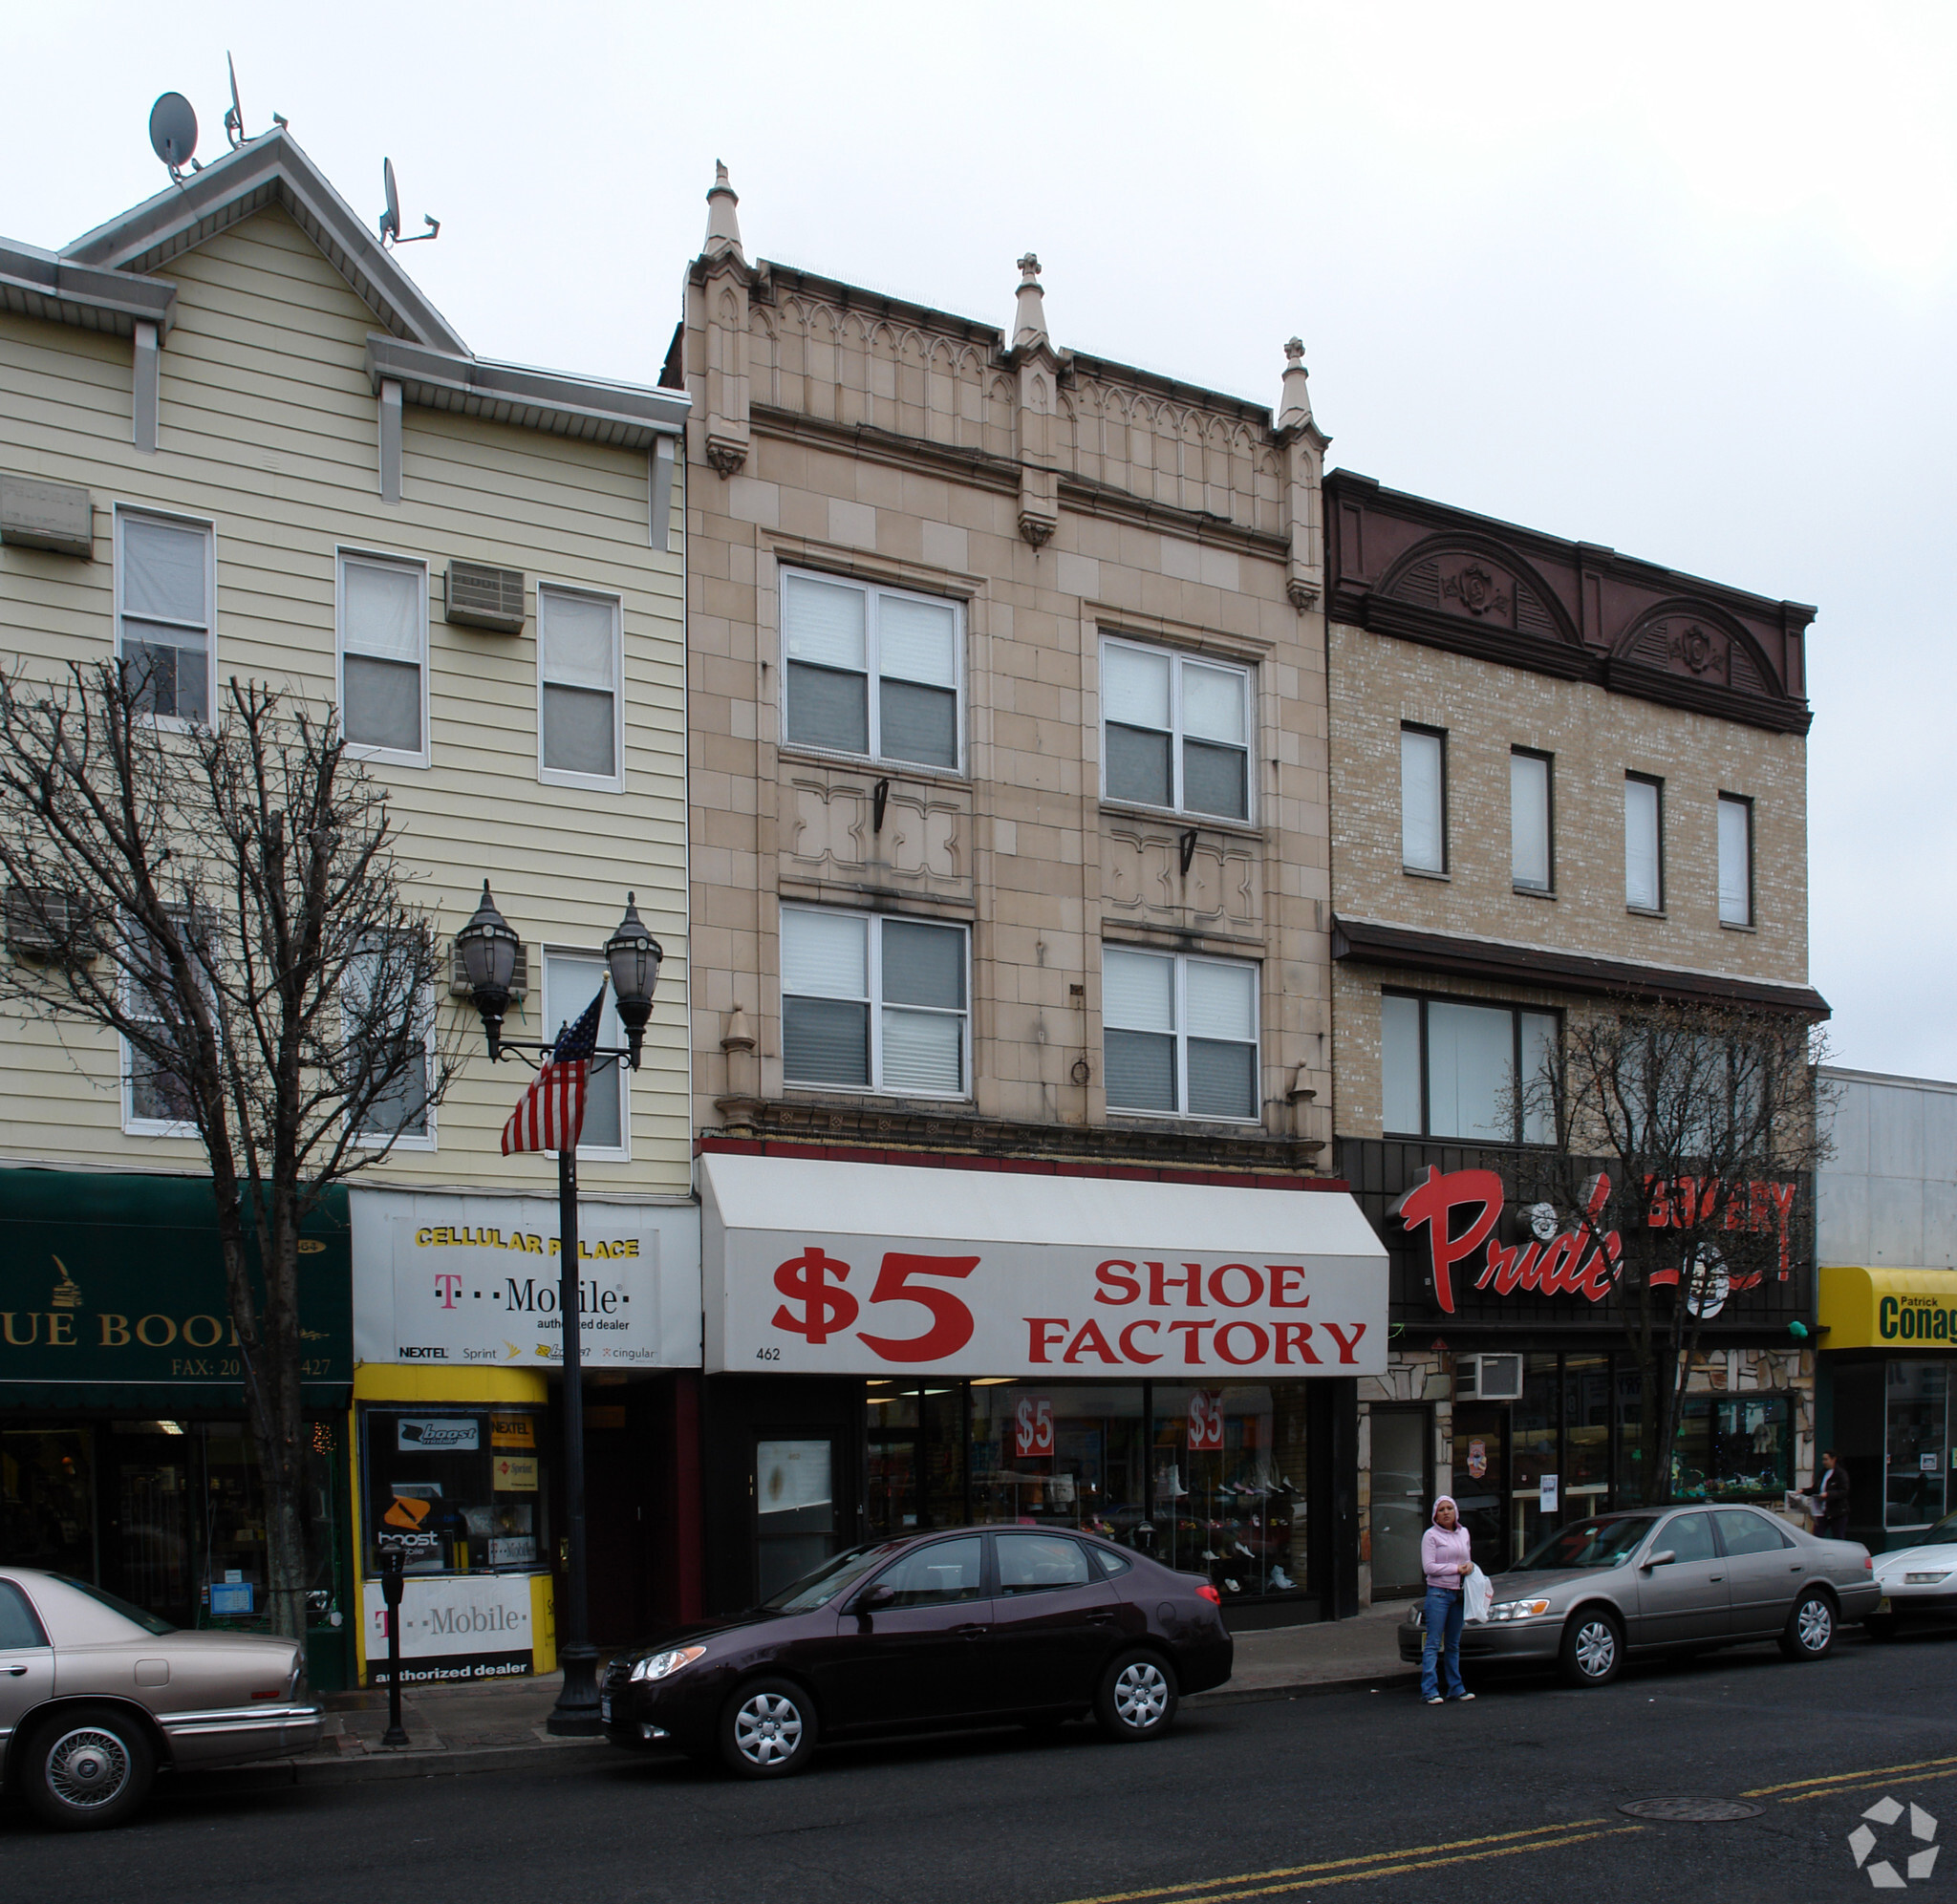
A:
723,227
1029,323
1295,408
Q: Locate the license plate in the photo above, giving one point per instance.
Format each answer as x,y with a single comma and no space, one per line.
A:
1883,1604
605,1706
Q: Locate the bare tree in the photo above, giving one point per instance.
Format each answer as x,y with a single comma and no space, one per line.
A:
226,900
1684,1136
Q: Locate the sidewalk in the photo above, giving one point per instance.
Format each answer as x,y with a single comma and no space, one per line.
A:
499,1725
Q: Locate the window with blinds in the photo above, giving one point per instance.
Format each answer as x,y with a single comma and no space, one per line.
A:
1452,1069
1643,844
1179,1035
578,688
874,1003
1175,731
165,582
383,631
1736,860
1423,799
871,670
1531,860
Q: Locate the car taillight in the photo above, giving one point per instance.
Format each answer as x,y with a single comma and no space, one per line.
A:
1210,1594
1868,1565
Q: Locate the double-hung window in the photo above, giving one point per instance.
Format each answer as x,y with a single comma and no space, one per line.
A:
1643,842
1180,1034
871,670
1736,860
873,1004
1451,1069
570,981
156,1092
165,588
1531,848
1422,799
389,1040
384,619
1175,731
579,736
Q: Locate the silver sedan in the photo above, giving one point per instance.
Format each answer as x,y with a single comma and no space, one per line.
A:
97,1697
1665,1579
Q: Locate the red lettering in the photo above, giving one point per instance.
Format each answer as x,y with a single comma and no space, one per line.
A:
1192,1344
1040,1334
1599,1270
1108,1276
1558,1256
951,1321
1280,1274
1783,1216
1660,1214
1499,1269
1219,1290
1761,1206
1346,1349
1295,1336
1161,1282
1432,1201
1090,1337
1260,1343
1127,1345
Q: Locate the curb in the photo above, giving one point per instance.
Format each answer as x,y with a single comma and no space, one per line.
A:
1373,1683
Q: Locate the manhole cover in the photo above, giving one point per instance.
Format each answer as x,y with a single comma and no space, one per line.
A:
1692,1811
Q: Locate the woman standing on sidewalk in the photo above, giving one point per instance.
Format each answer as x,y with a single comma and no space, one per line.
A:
1445,1562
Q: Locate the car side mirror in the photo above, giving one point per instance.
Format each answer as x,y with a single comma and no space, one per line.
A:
876,1597
1664,1557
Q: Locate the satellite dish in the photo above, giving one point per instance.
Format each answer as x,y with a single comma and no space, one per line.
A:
234,118
173,131
391,218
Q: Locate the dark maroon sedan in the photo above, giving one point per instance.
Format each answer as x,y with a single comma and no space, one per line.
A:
965,1626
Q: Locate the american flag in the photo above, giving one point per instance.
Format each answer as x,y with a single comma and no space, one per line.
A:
552,1112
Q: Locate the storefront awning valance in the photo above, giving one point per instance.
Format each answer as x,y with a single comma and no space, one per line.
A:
1889,1309
871,1269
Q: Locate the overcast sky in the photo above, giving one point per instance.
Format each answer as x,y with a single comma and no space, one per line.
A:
1680,279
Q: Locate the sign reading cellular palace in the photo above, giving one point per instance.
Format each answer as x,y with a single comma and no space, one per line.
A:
829,1296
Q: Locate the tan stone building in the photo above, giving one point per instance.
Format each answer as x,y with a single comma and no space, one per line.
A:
1557,774
1009,855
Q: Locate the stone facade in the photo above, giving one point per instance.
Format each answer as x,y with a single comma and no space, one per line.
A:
1054,499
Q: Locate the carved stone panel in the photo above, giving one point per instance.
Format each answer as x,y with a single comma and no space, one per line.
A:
829,830
1142,876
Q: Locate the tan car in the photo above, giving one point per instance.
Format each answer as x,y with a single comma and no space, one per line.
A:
97,1697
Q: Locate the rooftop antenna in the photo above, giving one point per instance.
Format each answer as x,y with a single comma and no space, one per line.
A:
173,134
234,118
391,218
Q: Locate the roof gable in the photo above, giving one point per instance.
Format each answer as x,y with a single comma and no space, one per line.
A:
271,169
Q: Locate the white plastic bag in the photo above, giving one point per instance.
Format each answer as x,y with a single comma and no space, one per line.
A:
1477,1594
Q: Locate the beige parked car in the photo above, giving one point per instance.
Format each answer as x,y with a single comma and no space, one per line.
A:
97,1697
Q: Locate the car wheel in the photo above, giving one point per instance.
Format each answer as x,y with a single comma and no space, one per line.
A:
87,1768
768,1730
1593,1649
1137,1697
1810,1633
1880,1626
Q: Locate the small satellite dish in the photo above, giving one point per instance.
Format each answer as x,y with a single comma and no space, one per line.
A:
391,218
173,132
234,118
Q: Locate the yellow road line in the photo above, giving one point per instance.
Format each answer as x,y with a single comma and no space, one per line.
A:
1835,1778
1207,1887
1873,1785
1426,1863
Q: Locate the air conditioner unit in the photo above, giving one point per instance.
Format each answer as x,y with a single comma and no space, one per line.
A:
477,595
458,977
41,924
1488,1379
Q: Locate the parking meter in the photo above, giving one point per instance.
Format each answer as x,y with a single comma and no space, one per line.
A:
392,1584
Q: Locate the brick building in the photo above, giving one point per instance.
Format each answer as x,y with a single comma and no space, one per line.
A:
1558,775
1010,884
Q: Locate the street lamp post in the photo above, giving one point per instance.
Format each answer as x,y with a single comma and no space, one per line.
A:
489,948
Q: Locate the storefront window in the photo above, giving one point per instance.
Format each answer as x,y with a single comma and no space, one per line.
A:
1917,1436
458,1491
1065,1454
1729,1450
1587,1436
916,1456
1227,1498
1532,1456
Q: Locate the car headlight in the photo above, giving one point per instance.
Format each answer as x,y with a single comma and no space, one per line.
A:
1930,1580
659,1665
1517,1609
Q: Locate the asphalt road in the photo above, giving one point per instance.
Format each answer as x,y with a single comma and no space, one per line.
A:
1342,1795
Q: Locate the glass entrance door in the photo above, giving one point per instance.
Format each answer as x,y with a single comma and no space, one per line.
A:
47,1500
1401,1485
795,1519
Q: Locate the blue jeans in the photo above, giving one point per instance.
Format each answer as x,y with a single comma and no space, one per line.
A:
1441,1623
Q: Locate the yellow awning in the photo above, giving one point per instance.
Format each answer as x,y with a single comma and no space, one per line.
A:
1889,1309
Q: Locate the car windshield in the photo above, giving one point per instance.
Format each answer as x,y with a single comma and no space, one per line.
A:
832,1577
149,1622
1608,1542
1944,1533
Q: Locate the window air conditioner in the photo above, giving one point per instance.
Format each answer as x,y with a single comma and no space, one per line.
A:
1488,1379
477,595
458,977
39,922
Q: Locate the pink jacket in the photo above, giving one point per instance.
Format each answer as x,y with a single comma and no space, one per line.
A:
1442,1554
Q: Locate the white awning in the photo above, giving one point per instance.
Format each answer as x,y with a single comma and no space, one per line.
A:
875,1268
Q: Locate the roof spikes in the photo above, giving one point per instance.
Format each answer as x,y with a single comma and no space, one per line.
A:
1029,318
723,227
